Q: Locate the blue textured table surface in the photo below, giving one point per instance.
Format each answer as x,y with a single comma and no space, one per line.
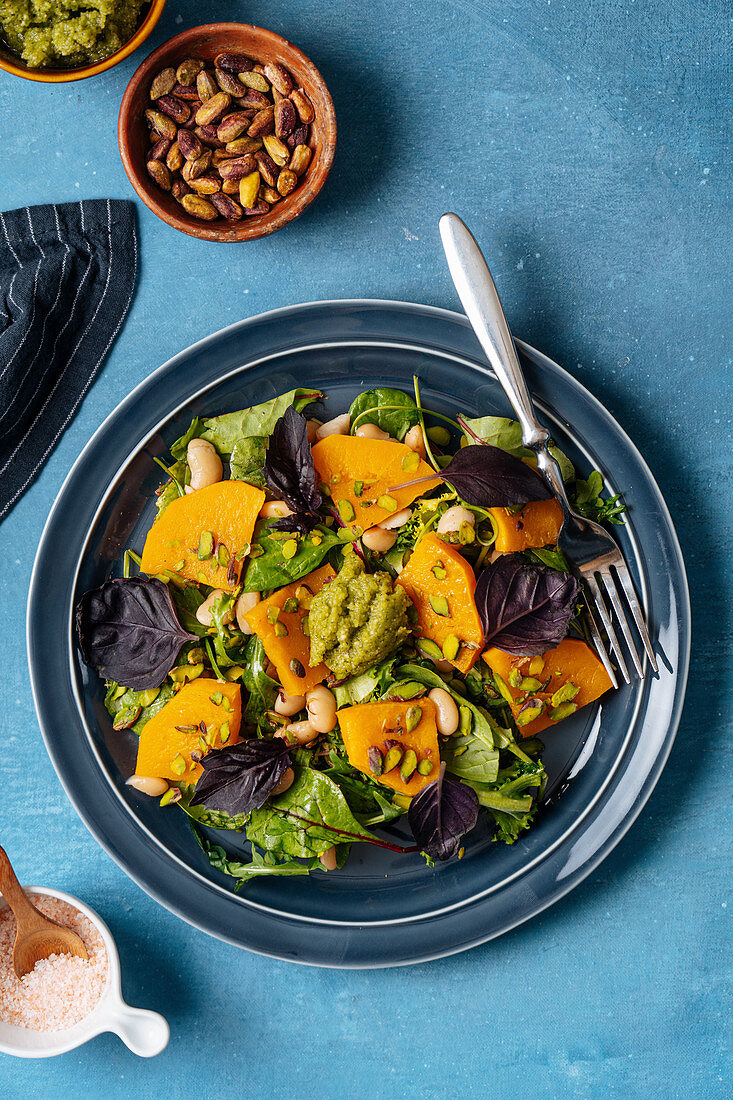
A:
584,143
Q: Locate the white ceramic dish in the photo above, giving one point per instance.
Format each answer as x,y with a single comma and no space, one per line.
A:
145,1033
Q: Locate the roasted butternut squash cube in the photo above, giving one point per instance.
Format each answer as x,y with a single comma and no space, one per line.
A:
537,524
371,730
203,715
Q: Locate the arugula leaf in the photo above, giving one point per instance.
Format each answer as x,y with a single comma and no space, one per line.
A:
259,864
225,431
262,690
272,570
247,460
506,434
511,808
391,410
307,819
588,501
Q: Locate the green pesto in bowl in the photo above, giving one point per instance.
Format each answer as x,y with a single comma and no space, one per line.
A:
65,34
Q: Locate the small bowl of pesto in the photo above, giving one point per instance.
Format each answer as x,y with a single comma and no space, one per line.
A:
55,41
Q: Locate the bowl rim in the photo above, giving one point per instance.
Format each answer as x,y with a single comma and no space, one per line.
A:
81,72
247,229
616,828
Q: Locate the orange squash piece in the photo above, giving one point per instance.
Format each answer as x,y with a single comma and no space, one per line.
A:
346,463
165,748
227,511
436,575
293,648
571,663
377,724
538,524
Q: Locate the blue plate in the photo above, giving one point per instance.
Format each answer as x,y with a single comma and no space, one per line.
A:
382,909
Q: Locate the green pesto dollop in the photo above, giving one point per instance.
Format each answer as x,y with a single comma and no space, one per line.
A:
64,34
357,620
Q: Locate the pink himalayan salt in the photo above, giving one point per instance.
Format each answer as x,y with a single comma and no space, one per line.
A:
60,990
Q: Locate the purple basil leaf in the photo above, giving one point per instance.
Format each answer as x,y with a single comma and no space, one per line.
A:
441,814
289,472
524,608
128,630
488,477
240,778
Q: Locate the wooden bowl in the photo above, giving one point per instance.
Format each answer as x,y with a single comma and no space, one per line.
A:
11,63
205,43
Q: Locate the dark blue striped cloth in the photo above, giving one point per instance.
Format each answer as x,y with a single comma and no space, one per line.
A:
67,276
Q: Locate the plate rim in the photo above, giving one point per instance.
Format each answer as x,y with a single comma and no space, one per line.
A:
452,317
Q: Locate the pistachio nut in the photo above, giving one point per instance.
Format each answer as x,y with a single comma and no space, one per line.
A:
237,167
267,168
232,126
375,761
413,718
285,118
188,70
227,207
279,77
174,158
228,82
159,173
262,123
251,99
255,81
287,181
233,62
174,108
304,107
243,145
408,765
276,149
300,159
190,145
163,83
159,150
206,86
198,207
213,109
249,187
162,124
393,757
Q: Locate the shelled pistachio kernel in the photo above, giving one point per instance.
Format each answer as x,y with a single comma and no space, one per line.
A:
515,678
564,694
178,764
305,625
224,733
563,711
346,511
173,794
358,488
439,571
297,668
387,503
529,710
273,614
408,765
413,718
451,645
425,767
531,683
281,631
439,605
206,545
291,605
411,462
222,554
393,757
465,720
290,549
536,665
430,649
374,758
217,698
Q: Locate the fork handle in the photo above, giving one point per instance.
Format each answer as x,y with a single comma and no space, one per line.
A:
480,300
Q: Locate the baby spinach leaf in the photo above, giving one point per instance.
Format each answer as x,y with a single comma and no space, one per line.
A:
290,474
368,801
239,778
225,431
262,690
524,608
272,569
307,819
179,448
248,458
258,866
391,410
441,814
506,434
470,759
187,602
487,477
129,631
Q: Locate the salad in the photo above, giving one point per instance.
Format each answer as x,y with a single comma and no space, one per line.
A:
332,625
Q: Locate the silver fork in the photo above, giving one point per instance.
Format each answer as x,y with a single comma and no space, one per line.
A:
590,550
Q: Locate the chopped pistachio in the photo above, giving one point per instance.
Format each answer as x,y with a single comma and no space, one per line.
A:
346,511
358,488
178,764
439,605
466,534
145,698
408,765
564,694
563,711
386,502
530,683
296,668
411,462
281,631
451,645
515,677
536,665
465,720
413,718
222,554
392,758
425,767
529,710
430,649
206,545
216,698
291,605
305,626
226,705
224,733
179,566
273,614
173,794
290,549
375,760
439,571
183,673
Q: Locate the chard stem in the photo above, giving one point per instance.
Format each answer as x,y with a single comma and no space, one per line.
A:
352,836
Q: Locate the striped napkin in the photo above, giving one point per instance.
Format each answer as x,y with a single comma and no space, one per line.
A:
67,276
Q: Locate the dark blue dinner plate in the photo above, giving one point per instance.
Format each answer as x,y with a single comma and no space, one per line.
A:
381,909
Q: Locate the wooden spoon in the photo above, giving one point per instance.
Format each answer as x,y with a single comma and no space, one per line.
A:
37,936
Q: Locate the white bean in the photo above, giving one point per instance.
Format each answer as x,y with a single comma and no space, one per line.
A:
338,426
371,431
415,440
328,859
321,706
303,732
203,613
452,519
244,604
275,509
378,540
148,784
285,783
205,465
399,519
311,427
288,705
447,716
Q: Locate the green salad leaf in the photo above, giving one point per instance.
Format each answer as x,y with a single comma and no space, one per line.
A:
123,704
258,866
227,430
470,759
588,500
261,689
307,819
391,410
272,569
248,458
511,808
371,683
483,726
213,819
506,434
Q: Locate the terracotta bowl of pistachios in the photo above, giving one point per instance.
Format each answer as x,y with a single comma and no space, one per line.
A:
227,132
